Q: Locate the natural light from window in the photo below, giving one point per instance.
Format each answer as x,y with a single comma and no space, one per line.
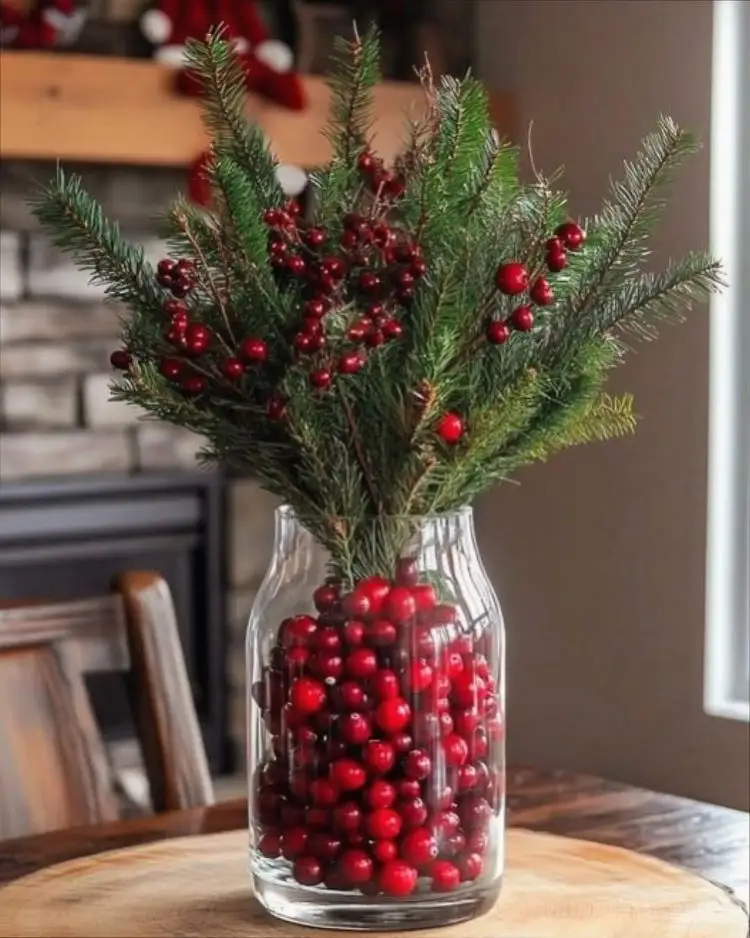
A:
727,686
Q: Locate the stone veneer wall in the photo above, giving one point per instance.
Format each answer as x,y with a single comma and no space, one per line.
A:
56,419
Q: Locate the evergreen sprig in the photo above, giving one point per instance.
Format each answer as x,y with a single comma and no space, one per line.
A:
368,447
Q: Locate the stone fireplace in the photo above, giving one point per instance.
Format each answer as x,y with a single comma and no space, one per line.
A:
57,424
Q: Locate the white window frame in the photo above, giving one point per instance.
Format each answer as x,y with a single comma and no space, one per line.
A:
727,653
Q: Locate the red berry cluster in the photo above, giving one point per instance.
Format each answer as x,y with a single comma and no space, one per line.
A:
384,183
384,741
371,261
513,279
177,276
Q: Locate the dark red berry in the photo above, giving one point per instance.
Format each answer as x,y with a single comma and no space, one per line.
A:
392,715
194,384
333,267
350,363
385,684
324,845
347,816
121,359
418,267
402,742
350,695
383,824
392,329
541,292
418,764
232,368
375,338
556,261
276,408
381,633
414,812
324,792
498,332
254,349
450,428
419,847
307,695
356,728
165,267
293,842
379,756
269,845
320,378
297,630
308,871
327,665
475,812
197,338
367,163
522,318
296,265
315,308
368,282
314,237
470,866
348,775
398,878
361,663
571,234
512,278
325,597
271,216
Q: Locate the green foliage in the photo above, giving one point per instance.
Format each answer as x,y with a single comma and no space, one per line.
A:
367,447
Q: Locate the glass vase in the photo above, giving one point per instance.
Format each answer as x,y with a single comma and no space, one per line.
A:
376,728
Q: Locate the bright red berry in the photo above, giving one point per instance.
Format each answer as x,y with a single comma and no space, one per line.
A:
381,633
418,764
456,749
571,234
307,695
321,378
419,846
327,664
385,684
468,775
446,876
384,850
348,774
197,338
498,332
356,728
297,630
450,428
379,756
380,794
383,824
522,318
350,363
541,292
420,676
354,633
470,866
400,605
254,349
392,715
512,278
356,867
356,604
361,663
350,695
398,878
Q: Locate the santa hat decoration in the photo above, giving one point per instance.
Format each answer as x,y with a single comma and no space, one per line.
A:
168,24
47,24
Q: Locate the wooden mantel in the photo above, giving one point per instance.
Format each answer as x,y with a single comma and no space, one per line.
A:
109,110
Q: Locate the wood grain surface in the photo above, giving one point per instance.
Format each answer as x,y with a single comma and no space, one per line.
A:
554,886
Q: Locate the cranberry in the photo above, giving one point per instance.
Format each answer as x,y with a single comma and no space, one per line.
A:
376,589
465,721
446,723
356,867
470,866
308,871
475,812
392,715
270,845
356,728
424,596
347,817
453,844
439,796
443,614
456,749
354,633
453,663
418,764
402,743
293,842
446,876
348,774
299,784
467,689
381,633
464,645
400,605
478,744
419,847
398,878
467,777
413,812
296,659
379,756
380,794
355,605
292,815
324,792
268,805
446,823
478,842
407,571
355,838
349,696
327,664
495,729
317,817
383,824
297,631
385,684
326,639
361,663
334,879
426,726
420,676
409,788
571,234
324,846
384,851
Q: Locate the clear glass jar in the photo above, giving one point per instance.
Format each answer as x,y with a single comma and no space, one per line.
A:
376,729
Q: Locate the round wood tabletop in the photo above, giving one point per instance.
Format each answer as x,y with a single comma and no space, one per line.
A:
703,839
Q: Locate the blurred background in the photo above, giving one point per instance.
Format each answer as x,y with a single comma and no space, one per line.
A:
599,558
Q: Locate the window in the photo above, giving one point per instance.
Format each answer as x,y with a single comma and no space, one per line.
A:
727,691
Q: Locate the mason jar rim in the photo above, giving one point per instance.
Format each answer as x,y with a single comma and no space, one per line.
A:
466,511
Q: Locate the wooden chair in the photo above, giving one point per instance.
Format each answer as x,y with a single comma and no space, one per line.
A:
54,770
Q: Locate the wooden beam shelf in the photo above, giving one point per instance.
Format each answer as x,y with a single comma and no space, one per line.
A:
109,110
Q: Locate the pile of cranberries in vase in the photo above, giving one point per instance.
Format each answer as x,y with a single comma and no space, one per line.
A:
376,733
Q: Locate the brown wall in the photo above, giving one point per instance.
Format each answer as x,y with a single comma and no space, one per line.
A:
599,556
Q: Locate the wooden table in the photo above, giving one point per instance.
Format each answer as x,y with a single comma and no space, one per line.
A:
711,841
